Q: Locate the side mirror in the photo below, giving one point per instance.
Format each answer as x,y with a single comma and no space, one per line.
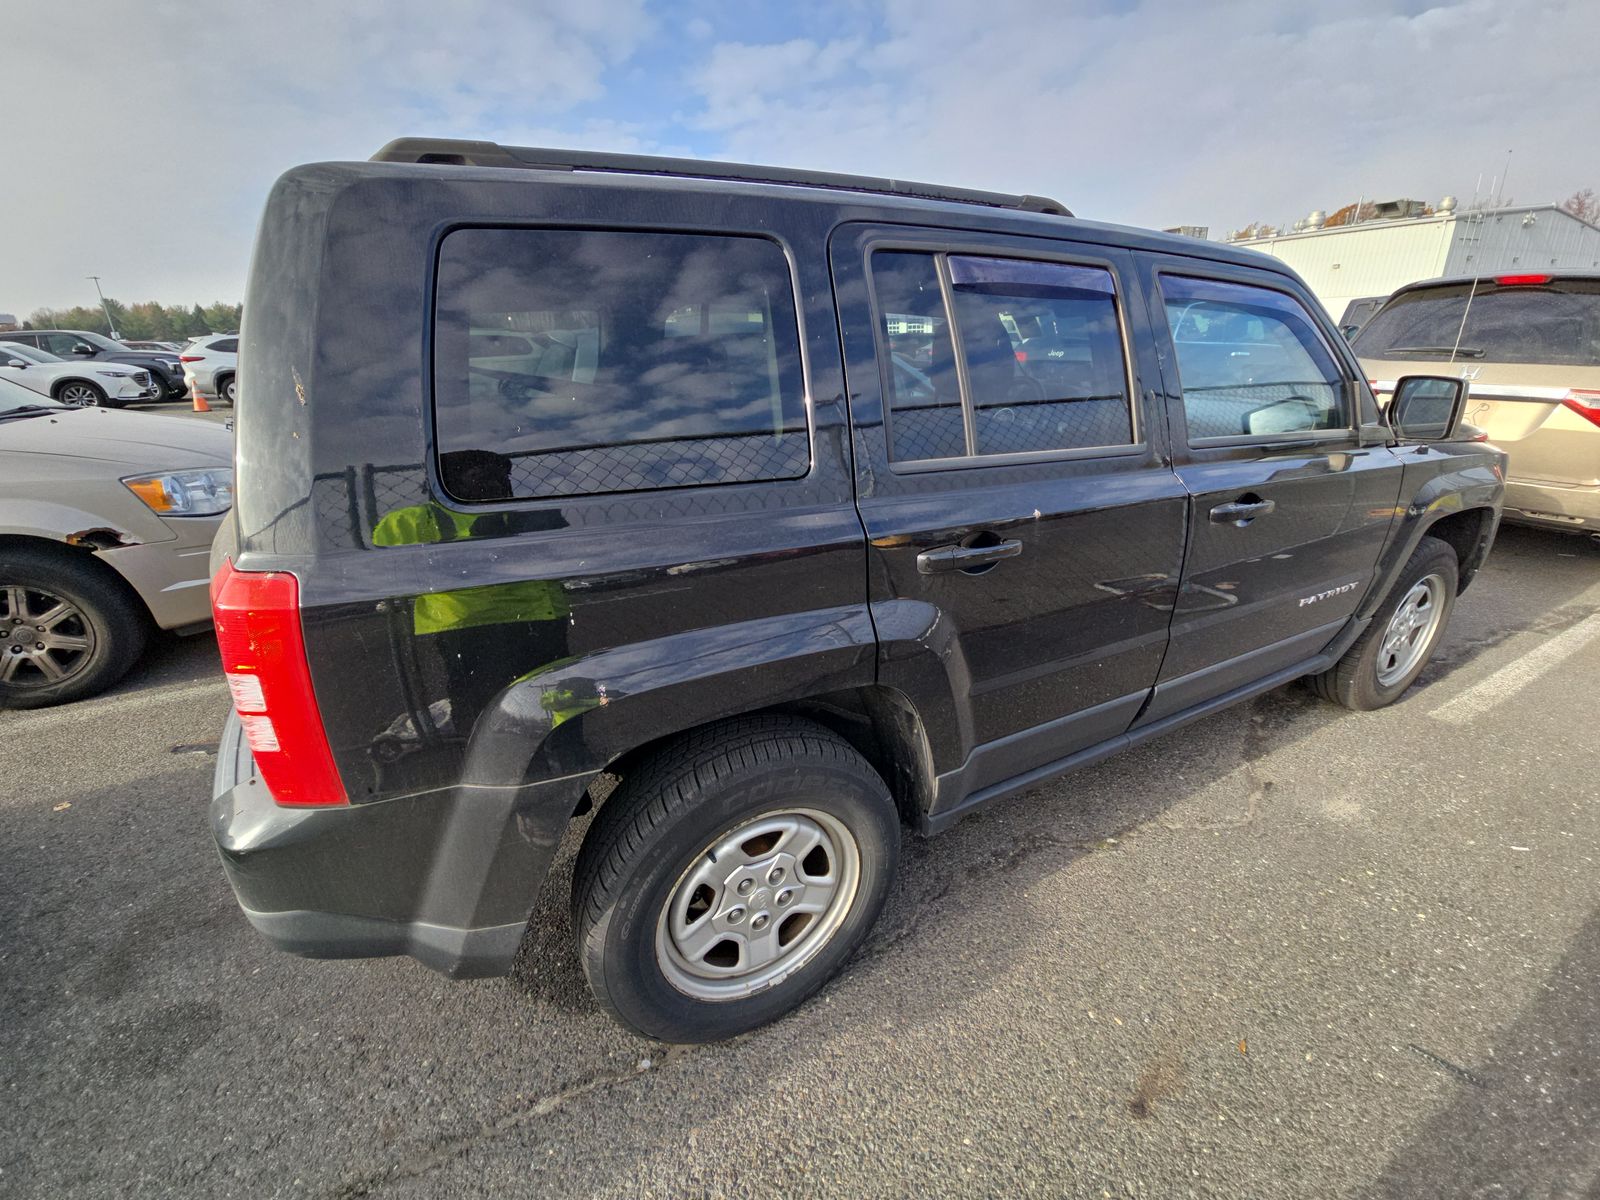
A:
15,362
1427,408
84,348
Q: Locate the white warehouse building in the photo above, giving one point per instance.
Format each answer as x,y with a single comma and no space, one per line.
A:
1373,257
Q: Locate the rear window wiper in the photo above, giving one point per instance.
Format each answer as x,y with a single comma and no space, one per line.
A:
1463,351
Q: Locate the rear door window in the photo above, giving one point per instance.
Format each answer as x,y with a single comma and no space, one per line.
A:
579,362
1557,323
1251,361
1037,345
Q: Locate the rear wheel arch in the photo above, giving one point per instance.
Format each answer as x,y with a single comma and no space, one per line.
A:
879,722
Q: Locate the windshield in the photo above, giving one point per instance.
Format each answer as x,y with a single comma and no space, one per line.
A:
1558,324
98,341
14,398
18,350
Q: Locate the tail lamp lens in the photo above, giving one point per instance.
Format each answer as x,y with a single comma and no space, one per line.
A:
257,615
1585,403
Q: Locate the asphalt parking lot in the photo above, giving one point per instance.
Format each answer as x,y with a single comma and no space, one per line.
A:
1289,951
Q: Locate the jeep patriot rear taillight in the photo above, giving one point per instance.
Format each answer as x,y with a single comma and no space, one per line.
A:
257,615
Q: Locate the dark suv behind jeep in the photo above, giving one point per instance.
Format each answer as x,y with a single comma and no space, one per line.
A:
771,511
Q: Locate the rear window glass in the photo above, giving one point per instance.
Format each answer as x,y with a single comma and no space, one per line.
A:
575,362
1557,324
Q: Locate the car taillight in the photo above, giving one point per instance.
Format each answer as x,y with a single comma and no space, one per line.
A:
191,358
257,615
1521,280
1585,403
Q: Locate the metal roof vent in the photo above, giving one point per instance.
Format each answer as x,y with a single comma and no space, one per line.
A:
1447,205
1317,219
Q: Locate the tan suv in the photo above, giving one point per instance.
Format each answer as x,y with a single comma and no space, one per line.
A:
106,521
1530,344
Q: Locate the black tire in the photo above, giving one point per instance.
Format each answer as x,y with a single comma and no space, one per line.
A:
1354,681
108,618
81,393
225,391
660,823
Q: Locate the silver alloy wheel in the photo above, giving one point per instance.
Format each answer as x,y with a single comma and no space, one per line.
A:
1411,630
44,638
758,904
80,395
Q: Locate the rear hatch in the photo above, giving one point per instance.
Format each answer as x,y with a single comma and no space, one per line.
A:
1529,344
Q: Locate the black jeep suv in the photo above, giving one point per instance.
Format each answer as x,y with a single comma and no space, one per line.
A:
82,345
769,512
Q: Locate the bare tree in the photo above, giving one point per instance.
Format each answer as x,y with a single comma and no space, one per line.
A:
1584,205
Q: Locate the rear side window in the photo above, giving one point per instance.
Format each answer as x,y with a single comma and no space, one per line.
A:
1250,360
576,362
1557,323
226,346
1040,344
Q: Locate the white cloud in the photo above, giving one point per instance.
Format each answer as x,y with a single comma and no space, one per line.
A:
140,146
1165,112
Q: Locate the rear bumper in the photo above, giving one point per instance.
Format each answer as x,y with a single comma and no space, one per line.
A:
1552,506
448,878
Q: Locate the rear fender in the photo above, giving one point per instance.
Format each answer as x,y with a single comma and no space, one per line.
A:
568,722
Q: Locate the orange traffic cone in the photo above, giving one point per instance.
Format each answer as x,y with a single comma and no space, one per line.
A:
199,401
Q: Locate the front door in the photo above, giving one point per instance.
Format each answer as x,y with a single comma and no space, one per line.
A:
1025,535
1288,510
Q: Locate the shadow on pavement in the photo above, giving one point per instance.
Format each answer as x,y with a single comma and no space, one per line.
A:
1527,1120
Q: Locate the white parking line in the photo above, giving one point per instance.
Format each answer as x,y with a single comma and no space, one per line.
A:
1519,673
89,709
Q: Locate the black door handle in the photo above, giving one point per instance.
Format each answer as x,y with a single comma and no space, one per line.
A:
965,558
1241,512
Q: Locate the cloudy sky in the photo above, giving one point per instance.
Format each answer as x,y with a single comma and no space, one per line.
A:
140,138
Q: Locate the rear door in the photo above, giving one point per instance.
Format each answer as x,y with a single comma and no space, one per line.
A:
1288,511
1025,532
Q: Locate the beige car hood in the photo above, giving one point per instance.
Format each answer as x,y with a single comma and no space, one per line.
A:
127,439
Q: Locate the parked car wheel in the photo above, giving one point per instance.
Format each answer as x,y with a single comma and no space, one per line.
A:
728,878
226,390
1388,657
80,393
66,631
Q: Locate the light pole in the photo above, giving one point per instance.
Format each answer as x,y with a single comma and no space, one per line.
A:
104,307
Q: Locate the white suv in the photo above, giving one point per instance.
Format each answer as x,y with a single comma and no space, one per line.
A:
209,366
87,384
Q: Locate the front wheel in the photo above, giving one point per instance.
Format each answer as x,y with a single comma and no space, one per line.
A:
66,630
731,876
1388,657
80,393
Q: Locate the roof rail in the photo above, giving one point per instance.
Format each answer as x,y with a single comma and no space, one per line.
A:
452,152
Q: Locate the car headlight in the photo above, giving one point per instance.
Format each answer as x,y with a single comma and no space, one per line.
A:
116,374
203,493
